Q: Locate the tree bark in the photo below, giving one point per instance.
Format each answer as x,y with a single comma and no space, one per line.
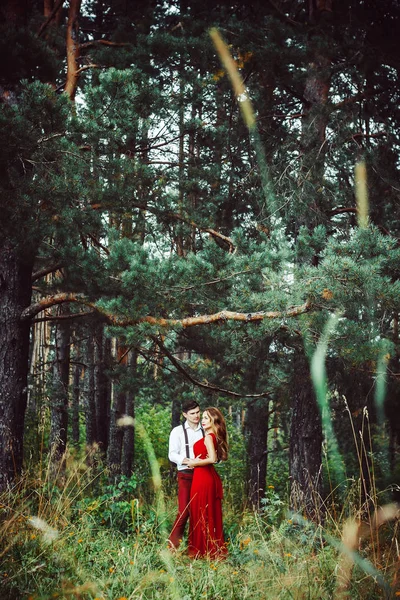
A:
91,429
102,387
305,461
59,397
15,295
76,392
257,420
114,454
128,448
306,429
72,48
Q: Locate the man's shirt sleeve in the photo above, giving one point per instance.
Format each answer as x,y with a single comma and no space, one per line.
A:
175,453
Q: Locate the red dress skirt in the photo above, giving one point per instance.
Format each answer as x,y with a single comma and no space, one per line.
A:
206,536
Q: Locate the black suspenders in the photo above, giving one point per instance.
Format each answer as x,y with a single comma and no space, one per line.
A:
187,439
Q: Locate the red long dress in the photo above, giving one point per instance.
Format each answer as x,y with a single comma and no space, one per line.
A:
206,537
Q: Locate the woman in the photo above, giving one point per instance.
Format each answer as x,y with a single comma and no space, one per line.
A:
206,536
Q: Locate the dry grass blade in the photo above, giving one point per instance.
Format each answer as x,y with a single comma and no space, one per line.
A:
236,80
353,534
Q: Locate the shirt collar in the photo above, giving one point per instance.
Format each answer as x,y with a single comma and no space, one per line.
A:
187,426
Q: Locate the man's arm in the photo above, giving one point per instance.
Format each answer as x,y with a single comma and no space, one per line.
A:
176,450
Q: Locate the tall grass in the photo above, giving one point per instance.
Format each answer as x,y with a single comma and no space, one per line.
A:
54,545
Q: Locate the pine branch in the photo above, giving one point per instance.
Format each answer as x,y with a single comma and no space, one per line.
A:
212,232
102,43
71,317
87,67
46,271
220,317
205,385
177,217
98,244
49,19
213,282
342,209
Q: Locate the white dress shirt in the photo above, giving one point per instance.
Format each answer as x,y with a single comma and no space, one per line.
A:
177,447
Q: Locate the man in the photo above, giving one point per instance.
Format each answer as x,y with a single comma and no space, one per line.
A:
181,441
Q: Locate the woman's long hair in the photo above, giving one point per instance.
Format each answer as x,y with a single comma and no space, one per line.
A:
219,428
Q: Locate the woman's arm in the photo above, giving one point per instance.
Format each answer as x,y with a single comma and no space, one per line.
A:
211,454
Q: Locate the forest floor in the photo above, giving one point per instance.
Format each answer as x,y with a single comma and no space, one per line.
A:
57,545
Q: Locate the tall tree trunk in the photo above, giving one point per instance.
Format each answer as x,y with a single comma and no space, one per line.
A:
257,420
306,429
176,411
73,48
59,399
76,392
118,399
180,248
114,454
15,296
305,462
315,119
91,433
128,449
102,387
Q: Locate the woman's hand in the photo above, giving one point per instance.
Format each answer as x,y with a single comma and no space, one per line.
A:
194,462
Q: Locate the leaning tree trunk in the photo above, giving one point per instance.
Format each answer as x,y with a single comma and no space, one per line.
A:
305,462
15,296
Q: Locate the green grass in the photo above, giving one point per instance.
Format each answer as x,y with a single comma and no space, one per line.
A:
72,553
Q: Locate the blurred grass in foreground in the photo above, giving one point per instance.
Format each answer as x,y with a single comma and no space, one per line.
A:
69,552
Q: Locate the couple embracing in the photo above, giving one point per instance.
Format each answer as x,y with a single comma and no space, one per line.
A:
195,447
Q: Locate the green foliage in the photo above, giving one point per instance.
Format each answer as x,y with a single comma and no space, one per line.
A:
25,56
84,559
156,420
233,472
114,508
272,507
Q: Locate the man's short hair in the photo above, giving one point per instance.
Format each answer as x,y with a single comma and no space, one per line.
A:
189,405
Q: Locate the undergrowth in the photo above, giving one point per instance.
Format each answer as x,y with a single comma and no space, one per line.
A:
62,543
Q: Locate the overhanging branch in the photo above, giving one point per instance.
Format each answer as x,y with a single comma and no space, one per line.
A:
46,271
220,317
203,384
